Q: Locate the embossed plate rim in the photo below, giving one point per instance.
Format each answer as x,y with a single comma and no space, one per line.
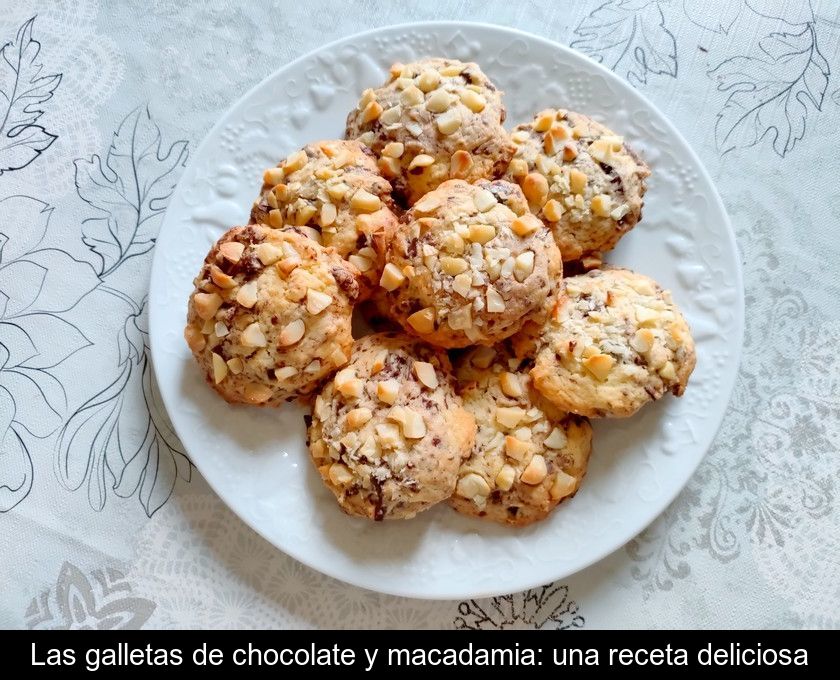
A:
515,579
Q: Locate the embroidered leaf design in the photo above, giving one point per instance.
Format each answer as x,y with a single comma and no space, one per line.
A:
719,21
630,37
771,94
130,188
22,91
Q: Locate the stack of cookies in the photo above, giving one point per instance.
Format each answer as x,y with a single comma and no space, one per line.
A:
456,233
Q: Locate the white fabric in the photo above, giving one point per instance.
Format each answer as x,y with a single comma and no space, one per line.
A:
102,520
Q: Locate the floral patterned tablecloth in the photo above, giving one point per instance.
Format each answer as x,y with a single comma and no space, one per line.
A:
103,520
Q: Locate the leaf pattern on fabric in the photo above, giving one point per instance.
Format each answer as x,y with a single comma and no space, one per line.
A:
629,37
546,607
771,94
128,189
22,91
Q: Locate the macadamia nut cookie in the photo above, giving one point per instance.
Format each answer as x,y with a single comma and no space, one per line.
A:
270,314
470,266
527,456
433,120
580,178
389,432
615,342
334,193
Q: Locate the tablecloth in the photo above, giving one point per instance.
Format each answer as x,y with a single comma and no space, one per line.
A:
105,523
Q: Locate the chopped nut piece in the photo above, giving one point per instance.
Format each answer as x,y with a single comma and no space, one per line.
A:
358,417
253,336
495,302
337,191
460,164
361,263
427,204
421,160
284,373
295,162
236,365
220,329
439,101
556,439
472,100
599,365
423,321
231,250
392,278
428,80
484,200
510,384
509,416
460,319
472,486
525,225
391,116
524,265
371,112
247,294
340,475
569,152
220,368
268,253
449,122
453,265
506,477
379,362
593,261
577,181
545,120
426,374
328,214
273,176
518,167
668,372
516,448
535,472
601,205
393,149
645,315
388,390
221,279
292,333
316,301
642,341
364,201
553,210
275,219
535,188
482,233
412,96
563,485
414,426
207,304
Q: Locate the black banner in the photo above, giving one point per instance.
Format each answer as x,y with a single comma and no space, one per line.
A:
415,651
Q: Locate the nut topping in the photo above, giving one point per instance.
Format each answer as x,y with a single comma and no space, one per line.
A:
292,333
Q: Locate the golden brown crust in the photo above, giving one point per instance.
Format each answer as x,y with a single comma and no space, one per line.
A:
389,431
270,315
528,457
434,119
333,191
580,178
466,269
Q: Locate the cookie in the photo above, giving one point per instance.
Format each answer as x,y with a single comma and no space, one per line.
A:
389,432
615,342
527,456
580,178
270,314
466,268
333,191
433,120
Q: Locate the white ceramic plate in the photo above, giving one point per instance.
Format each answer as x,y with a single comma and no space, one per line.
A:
256,459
